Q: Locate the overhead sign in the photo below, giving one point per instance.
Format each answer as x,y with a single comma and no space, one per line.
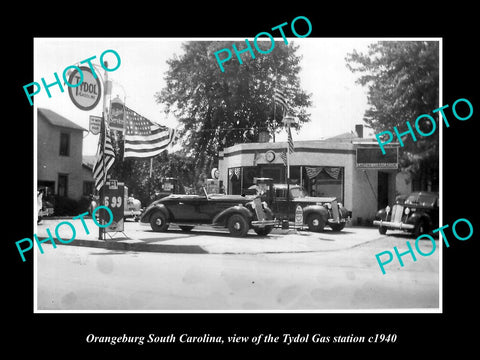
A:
85,90
117,115
372,157
94,124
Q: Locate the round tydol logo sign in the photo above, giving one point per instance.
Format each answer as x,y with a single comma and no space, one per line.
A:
84,90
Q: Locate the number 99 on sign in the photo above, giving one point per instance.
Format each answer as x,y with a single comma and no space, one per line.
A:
115,201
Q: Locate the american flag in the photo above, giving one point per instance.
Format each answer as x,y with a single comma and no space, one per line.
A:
291,148
280,100
143,138
105,156
283,155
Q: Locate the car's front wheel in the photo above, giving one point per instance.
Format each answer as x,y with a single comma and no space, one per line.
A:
263,231
186,228
421,227
237,225
337,227
382,230
315,223
158,222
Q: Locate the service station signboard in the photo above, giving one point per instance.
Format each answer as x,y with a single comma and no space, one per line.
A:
86,89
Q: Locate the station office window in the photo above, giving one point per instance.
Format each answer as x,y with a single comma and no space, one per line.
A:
64,144
326,181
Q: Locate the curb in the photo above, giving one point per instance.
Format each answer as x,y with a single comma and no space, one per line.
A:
133,245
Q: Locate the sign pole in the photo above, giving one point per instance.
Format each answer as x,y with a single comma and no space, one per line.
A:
287,120
101,231
288,154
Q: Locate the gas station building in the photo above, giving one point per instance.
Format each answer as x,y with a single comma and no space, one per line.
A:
347,166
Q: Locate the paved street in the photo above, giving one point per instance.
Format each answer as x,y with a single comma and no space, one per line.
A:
209,270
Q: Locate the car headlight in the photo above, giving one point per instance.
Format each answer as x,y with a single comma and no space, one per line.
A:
407,211
329,206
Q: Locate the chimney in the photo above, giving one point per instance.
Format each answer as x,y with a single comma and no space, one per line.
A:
359,130
263,136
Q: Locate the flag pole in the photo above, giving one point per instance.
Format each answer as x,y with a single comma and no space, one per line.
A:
101,230
288,120
288,154
274,102
124,122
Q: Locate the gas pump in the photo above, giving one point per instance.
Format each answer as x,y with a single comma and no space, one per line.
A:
169,185
213,186
264,187
266,190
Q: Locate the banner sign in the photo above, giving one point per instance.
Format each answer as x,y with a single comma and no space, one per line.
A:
113,196
372,158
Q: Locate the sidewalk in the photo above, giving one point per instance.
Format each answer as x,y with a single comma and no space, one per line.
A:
204,239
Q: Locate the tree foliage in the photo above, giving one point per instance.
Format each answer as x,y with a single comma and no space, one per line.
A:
135,172
403,83
218,109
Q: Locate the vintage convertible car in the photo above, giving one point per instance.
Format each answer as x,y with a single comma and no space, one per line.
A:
416,213
235,212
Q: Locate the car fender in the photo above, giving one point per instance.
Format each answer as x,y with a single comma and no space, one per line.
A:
157,207
314,209
268,214
344,212
381,215
417,216
222,217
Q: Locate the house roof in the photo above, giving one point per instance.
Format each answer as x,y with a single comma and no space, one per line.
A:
58,120
345,136
89,161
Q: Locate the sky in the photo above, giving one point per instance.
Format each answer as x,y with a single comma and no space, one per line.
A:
338,103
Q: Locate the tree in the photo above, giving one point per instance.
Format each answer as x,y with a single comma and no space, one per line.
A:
403,82
135,172
218,109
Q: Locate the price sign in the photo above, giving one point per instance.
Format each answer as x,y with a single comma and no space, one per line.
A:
298,216
113,193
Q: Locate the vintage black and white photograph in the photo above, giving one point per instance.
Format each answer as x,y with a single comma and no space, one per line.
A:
262,174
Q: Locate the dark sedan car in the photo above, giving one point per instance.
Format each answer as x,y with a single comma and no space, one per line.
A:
318,212
236,213
416,213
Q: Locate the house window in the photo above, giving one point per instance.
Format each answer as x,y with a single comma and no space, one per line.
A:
62,185
64,144
88,188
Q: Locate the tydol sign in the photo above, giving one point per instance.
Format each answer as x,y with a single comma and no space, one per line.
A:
85,90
